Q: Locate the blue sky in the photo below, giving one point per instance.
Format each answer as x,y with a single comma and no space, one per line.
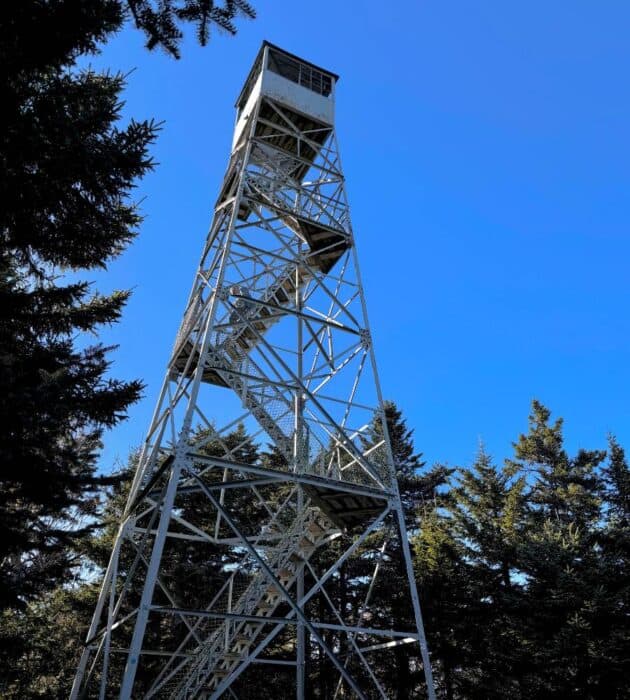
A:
487,158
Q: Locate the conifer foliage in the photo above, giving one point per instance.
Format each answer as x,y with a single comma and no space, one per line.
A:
161,21
69,170
524,572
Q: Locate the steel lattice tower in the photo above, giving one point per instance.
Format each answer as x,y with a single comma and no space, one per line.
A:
276,335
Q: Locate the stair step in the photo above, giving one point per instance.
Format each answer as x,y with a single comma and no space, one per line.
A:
314,528
306,543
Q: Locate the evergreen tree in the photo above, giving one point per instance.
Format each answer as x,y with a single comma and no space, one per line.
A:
487,511
612,638
524,573
69,169
561,562
443,576
41,644
617,487
466,554
40,647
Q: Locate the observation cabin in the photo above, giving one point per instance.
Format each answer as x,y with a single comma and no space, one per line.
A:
303,87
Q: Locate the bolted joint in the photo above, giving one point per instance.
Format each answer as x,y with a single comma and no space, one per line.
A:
366,338
223,293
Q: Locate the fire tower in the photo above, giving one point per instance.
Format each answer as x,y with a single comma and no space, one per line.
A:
274,339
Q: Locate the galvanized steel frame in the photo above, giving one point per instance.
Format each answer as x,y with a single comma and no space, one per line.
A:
307,398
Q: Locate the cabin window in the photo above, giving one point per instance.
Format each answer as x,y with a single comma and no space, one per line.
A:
300,73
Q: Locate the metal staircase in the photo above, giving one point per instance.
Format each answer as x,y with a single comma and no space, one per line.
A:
229,643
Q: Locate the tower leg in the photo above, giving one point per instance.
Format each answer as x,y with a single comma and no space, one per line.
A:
422,640
300,632
301,642
133,658
301,460
107,585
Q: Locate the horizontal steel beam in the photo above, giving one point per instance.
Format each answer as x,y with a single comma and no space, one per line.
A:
319,481
275,662
220,485
387,645
285,621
